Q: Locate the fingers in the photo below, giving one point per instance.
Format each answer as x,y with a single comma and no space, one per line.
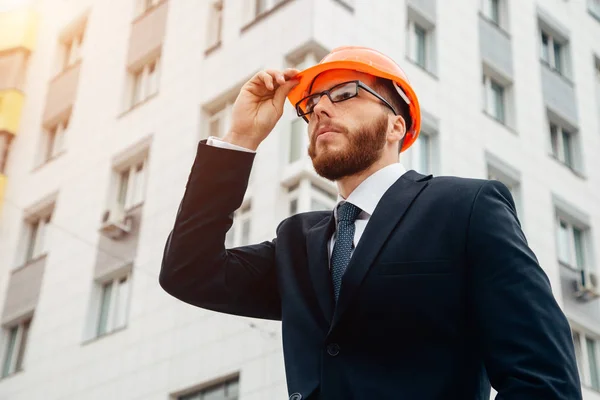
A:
267,80
272,79
283,91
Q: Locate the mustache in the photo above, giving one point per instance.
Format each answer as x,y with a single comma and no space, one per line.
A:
331,125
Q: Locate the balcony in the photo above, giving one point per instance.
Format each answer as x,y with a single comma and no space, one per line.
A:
18,29
24,289
11,105
495,47
147,35
559,94
62,93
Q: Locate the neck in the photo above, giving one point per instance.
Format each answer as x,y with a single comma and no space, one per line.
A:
348,184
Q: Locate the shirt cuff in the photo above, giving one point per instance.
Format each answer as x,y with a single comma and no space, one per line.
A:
213,141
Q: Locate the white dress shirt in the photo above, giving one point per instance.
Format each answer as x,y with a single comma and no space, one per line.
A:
366,196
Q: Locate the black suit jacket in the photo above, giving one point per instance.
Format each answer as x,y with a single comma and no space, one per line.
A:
441,297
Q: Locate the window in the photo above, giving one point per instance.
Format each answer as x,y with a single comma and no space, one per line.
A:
228,390
420,44
131,184
307,196
586,352
36,231
143,6
553,52
215,24
144,82
510,180
239,233
321,199
494,11
298,140
53,141
15,342
571,243
5,141
255,9
562,144
113,304
218,121
419,155
494,98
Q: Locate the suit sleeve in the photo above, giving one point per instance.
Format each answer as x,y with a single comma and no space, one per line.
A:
196,268
524,336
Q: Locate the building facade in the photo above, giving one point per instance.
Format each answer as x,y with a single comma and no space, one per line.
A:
102,104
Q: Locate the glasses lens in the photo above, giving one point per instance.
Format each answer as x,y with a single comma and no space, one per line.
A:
312,101
344,92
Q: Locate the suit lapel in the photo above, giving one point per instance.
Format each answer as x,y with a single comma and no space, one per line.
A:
317,241
387,215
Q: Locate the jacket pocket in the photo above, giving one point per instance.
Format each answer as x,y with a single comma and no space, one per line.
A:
426,267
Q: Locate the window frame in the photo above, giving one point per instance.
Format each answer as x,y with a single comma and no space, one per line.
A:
306,192
36,234
561,133
489,98
583,363
53,143
574,253
242,217
303,141
512,180
215,24
223,115
17,353
200,391
135,186
144,82
114,303
553,41
409,160
414,22
487,11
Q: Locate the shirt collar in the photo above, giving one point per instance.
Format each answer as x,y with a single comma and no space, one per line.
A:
366,196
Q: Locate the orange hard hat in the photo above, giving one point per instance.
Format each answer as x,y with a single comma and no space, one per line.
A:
371,62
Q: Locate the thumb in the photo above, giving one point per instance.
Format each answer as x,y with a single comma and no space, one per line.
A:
282,92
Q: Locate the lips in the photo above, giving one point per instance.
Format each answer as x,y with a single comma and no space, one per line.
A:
325,129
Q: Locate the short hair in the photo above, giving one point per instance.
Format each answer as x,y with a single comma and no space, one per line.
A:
385,88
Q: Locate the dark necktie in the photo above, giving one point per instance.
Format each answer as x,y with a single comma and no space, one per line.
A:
340,257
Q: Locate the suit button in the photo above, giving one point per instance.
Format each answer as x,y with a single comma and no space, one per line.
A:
333,349
296,396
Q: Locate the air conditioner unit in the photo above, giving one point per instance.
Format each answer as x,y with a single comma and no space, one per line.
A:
115,222
586,286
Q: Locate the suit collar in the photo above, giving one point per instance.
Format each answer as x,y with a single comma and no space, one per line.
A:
388,213
367,195
317,240
390,209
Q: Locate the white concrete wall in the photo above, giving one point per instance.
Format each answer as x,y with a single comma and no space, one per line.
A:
167,345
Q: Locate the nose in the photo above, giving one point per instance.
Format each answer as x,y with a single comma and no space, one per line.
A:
323,106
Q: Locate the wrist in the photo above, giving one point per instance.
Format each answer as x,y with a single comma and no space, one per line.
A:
241,140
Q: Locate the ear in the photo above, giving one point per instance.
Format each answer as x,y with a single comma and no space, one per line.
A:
397,129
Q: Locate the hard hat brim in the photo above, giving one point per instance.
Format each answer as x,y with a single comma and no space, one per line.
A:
308,75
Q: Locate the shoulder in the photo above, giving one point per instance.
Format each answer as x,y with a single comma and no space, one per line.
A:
305,220
452,189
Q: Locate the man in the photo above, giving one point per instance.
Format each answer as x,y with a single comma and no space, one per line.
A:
413,287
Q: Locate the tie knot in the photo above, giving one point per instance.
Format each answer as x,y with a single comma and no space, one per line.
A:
348,212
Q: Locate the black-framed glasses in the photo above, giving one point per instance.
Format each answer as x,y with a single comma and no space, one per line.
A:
340,92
